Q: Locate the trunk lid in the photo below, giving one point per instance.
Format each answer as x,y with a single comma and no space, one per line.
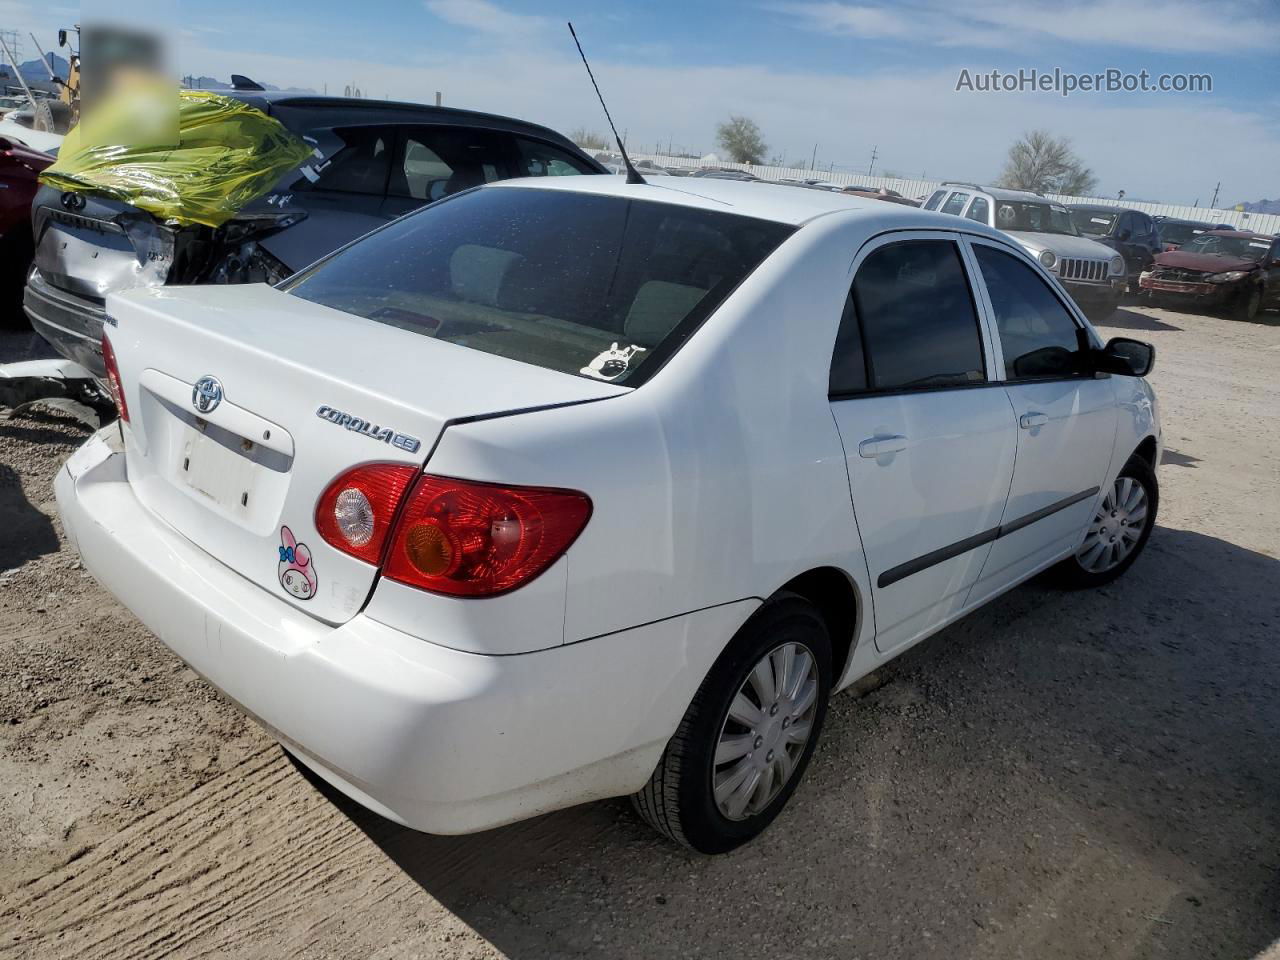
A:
90,246
304,392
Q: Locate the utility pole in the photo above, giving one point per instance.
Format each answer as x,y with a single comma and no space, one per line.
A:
1214,202
439,98
813,159
13,61
874,154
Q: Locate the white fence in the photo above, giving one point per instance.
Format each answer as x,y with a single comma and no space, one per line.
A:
1258,222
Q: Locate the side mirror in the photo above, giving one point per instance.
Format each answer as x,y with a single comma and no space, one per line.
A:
62,38
1123,235
1126,357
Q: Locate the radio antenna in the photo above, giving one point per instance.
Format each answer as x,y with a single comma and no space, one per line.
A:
633,175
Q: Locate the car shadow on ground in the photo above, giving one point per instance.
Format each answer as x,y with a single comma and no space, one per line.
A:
1061,774
27,532
1125,319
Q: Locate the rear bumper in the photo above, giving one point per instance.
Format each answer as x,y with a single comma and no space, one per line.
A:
434,738
71,324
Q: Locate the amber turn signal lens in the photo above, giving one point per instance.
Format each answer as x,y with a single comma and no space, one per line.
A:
430,549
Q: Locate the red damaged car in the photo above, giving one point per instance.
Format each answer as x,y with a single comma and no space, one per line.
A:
20,167
1228,270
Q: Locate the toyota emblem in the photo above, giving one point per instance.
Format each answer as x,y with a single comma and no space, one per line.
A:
206,394
72,201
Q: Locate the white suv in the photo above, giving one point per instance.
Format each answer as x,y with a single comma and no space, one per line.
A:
1091,272
571,488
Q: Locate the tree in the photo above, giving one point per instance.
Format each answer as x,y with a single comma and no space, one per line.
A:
587,139
1043,163
741,139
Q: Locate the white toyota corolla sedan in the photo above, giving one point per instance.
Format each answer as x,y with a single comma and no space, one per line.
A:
570,488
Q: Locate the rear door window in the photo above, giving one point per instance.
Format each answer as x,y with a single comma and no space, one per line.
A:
360,165
979,210
935,199
919,324
434,162
955,203
596,286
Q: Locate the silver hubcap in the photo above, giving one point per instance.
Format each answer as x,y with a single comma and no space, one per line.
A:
1116,528
765,731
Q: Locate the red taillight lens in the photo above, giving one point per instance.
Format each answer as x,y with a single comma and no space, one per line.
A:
479,539
113,379
355,511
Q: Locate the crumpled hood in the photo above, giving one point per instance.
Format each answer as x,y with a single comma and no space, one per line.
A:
1207,262
1063,245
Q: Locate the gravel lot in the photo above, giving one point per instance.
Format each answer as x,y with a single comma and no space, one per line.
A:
1060,775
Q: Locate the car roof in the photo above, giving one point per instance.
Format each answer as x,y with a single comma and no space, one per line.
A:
1109,208
320,111
760,199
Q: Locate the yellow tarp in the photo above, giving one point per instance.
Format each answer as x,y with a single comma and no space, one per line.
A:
227,154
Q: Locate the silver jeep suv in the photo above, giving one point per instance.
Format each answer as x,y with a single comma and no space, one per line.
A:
1092,273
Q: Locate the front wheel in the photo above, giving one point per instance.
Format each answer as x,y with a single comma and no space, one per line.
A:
747,737
1249,304
1119,530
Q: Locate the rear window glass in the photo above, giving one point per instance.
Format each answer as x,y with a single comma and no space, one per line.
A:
597,286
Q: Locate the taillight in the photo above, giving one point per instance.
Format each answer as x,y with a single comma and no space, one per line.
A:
113,379
355,511
479,539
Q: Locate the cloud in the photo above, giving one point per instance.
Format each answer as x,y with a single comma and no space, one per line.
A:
485,17
1170,26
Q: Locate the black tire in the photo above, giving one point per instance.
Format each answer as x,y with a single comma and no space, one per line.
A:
51,116
16,252
1248,305
1073,575
678,801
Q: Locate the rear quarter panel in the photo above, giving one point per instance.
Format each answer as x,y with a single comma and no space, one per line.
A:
719,479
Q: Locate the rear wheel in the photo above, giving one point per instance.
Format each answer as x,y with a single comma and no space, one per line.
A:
747,737
1119,530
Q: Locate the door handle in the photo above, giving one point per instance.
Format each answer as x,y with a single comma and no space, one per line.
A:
1029,420
878,446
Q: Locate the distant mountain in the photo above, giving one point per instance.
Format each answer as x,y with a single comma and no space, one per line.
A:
213,83
1261,206
34,73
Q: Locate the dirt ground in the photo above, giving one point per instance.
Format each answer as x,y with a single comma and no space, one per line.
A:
1059,776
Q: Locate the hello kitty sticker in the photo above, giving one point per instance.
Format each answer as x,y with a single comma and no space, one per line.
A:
612,363
297,573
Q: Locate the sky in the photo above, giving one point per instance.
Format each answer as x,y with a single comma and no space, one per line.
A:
844,77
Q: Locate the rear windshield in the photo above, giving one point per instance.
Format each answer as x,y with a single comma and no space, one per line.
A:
597,286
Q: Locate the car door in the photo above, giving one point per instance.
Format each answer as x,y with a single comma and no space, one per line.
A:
1066,417
1128,245
1146,240
929,440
